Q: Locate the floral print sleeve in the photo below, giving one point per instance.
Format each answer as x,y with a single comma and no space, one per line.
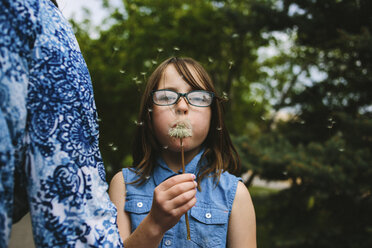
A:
49,131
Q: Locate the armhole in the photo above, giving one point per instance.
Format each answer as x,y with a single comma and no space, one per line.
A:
232,193
125,175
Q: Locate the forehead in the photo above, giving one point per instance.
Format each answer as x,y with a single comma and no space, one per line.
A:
171,77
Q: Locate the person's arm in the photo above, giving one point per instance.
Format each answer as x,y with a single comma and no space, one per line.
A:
172,199
117,196
242,223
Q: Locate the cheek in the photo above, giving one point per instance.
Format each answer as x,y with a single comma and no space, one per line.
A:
160,124
203,125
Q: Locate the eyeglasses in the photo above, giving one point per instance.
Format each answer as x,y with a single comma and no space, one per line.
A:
198,98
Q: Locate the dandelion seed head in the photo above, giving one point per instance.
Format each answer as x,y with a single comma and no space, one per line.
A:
181,129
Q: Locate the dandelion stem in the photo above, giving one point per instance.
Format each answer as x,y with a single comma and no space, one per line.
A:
183,171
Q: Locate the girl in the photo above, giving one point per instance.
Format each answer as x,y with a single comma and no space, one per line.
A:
153,196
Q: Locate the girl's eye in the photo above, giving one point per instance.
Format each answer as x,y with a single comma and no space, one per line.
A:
167,98
200,98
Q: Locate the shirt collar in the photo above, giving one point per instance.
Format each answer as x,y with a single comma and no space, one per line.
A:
162,171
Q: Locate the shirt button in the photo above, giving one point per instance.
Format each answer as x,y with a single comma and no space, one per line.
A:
139,204
168,242
208,215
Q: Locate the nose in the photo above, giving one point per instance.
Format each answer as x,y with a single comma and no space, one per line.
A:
182,106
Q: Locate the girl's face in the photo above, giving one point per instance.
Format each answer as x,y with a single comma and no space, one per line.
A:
164,117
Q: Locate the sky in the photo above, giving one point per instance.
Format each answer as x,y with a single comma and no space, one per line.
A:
74,9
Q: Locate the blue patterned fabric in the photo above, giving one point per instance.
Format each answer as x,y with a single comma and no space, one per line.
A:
208,218
49,131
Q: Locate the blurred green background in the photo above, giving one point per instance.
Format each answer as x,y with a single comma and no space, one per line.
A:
298,77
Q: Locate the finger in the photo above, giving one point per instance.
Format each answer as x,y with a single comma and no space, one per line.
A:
175,180
182,209
183,199
180,188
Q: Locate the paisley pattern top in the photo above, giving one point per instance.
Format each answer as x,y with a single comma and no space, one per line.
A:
49,131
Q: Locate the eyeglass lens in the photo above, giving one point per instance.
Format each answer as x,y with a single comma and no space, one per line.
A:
197,98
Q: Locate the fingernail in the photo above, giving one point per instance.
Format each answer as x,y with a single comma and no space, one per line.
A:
193,176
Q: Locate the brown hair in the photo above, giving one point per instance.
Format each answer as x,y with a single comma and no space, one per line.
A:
219,151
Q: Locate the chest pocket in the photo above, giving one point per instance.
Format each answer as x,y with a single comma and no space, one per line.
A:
137,207
209,226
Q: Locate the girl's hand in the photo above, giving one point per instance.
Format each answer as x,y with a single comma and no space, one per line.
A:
172,199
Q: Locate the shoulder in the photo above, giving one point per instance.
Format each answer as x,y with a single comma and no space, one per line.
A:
117,178
242,224
243,201
242,193
117,187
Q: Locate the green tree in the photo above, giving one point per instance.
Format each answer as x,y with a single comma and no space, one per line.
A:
325,147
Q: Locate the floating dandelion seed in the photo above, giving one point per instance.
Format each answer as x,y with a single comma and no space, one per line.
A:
122,71
134,78
302,122
263,118
138,123
235,35
110,144
219,128
225,96
99,119
114,148
138,82
341,149
150,110
154,62
115,48
176,48
210,60
160,49
143,73
165,147
231,63
332,122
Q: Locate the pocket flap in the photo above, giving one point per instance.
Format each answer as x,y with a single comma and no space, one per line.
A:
138,205
210,215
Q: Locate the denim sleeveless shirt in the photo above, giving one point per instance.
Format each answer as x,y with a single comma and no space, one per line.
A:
208,218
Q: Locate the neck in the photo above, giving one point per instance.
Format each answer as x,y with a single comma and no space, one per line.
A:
174,161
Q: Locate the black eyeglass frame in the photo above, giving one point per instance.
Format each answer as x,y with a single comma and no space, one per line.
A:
184,95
